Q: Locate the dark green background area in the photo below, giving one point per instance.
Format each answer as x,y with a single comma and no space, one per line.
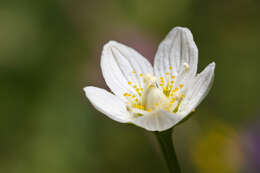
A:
50,50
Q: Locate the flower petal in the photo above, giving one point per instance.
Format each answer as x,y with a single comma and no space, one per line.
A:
198,90
157,121
178,51
108,104
120,65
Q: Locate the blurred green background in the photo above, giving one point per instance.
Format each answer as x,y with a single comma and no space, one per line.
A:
50,50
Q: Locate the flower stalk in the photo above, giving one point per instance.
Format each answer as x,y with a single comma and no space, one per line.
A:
166,144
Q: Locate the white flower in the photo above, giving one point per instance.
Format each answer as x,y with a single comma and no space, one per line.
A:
153,98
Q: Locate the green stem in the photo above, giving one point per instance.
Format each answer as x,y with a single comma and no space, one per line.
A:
165,140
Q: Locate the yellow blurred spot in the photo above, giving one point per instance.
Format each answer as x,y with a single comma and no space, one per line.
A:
225,157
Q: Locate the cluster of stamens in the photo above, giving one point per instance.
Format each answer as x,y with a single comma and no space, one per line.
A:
167,86
135,99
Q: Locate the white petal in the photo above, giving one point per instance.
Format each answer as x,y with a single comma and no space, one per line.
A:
198,90
118,63
157,121
179,51
108,104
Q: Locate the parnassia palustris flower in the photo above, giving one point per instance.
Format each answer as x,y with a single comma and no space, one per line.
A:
154,98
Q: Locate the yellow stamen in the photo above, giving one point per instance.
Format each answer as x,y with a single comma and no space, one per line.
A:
186,66
172,101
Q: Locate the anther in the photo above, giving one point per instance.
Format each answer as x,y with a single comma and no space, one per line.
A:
186,66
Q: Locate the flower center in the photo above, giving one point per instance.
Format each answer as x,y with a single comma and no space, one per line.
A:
153,98
154,94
